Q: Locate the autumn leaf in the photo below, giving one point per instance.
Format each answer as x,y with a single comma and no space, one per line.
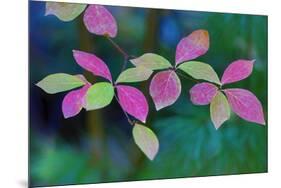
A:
136,74
151,61
202,93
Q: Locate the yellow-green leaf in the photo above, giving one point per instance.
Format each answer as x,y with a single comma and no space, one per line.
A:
136,74
151,61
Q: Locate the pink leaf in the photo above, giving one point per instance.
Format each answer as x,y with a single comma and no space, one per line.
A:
237,70
165,88
74,101
98,20
133,101
92,63
246,105
192,46
203,93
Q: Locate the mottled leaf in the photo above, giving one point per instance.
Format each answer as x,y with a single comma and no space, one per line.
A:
133,102
199,70
237,70
92,63
60,82
99,95
146,140
219,109
165,88
246,105
136,74
64,11
98,20
74,101
192,46
151,61
202,93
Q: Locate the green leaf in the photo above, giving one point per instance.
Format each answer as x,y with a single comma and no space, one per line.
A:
64,11
151,61
99,95
136,74
60,82
199,70
219,109
146,140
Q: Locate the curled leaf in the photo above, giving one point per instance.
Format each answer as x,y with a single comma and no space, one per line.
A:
136,74
133,102
99,95
92,63
64,11
199,70
60,82
165,88
246,105
151,61
219,109
98,20
203,93
192,46
74,101
146,140
237,70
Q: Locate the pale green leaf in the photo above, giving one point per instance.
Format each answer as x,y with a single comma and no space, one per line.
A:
146,140
219,109
199,70
60,82
151,61
64,11
136,74
99,95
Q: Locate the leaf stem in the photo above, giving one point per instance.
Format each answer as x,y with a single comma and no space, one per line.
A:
126,114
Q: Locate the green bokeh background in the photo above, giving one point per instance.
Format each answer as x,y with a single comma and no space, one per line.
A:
97,146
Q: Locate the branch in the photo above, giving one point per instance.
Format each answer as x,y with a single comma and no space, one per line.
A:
132,122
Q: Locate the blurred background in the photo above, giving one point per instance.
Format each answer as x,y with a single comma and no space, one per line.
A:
97,146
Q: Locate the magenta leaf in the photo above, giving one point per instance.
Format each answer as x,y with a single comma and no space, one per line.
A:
74,101
92,63
98,20
192,46
165,88
203,93
245,104
237,70
133,102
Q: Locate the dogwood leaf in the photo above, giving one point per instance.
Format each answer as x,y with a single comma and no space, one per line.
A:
202,93
99,95
151,61
133,102
165,88
74,101
60,82
92,63
219,109
146,140
98,20
64,11
237,70
136,74
199,70
192,46
246,105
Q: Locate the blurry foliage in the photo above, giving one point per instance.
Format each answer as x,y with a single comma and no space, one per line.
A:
98,147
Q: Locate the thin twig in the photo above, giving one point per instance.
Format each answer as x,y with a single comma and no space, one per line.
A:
119,49
126,114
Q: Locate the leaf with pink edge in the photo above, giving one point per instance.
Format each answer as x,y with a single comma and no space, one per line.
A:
237,70
192,46
133,102
74,101
246,105
202,93
98,20
146,140
92,63
219,109
165,88
64,11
